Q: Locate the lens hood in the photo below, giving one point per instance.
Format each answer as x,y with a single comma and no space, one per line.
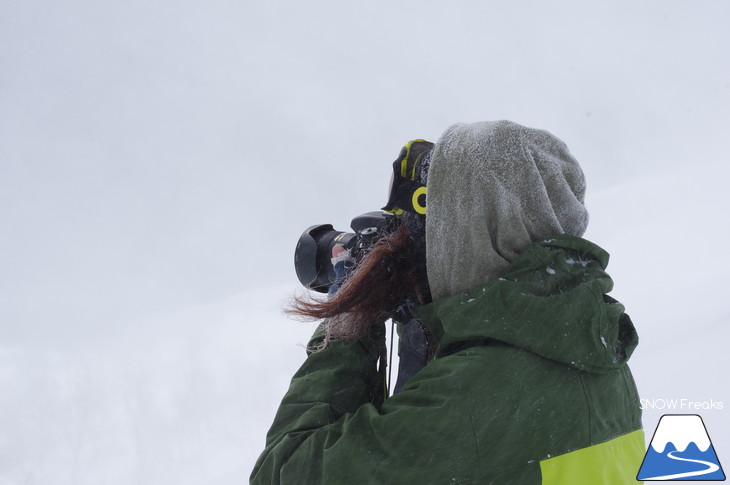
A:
313,253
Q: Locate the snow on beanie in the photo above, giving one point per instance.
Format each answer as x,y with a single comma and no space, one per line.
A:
494,188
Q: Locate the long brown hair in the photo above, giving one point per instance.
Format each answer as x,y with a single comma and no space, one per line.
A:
392,273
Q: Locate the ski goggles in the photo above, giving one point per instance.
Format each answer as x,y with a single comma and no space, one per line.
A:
407,195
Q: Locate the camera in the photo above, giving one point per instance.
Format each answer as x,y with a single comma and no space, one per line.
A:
313,254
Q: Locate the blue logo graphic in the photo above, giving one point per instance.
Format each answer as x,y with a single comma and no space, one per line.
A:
681,450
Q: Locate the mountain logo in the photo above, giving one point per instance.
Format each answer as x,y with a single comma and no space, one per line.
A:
681,450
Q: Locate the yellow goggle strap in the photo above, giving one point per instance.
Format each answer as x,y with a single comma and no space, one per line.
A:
406,194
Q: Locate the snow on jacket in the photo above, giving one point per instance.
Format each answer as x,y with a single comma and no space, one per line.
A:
529,385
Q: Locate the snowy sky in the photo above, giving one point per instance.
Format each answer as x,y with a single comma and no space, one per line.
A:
158,157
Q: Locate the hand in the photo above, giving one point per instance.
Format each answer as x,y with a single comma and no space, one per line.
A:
342,262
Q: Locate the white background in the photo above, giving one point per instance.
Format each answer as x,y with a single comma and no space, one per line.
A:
158,161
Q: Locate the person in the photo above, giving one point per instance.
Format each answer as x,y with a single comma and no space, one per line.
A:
513,356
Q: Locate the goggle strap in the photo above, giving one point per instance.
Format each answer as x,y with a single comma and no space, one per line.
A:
406,194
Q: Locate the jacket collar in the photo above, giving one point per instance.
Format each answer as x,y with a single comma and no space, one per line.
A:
550,301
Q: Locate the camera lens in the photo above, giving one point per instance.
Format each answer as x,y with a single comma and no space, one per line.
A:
312,257
313,253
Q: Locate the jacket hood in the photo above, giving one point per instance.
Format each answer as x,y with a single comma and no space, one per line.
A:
551,301
494,188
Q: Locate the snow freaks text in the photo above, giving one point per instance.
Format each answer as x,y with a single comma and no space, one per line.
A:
681,404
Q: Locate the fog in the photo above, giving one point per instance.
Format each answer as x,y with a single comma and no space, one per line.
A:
159,161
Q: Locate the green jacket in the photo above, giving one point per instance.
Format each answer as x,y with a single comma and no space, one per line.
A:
529,385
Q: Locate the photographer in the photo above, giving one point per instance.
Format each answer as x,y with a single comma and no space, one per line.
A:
513,358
